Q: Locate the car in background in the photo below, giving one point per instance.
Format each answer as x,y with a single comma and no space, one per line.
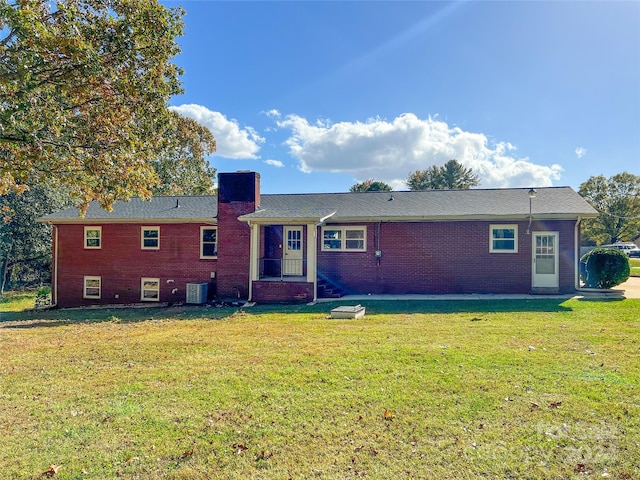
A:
631,249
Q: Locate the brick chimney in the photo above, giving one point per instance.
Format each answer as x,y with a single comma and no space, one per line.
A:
238,194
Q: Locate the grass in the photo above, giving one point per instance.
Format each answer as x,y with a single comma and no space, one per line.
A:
17,301
477,389
634,263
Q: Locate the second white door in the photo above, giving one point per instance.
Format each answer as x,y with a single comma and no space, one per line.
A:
292,254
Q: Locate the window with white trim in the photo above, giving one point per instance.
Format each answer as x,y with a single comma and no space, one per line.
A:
503,238
92,287
92,237
208,242
344,239
150,238
150,289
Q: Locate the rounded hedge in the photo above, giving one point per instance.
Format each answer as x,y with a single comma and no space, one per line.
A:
604,268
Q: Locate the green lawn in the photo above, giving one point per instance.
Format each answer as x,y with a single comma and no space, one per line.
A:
634,263
17,301
532,389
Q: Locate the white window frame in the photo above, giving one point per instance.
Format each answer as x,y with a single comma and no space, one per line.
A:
142,238
88,229
203,243
497,226
343,240
88,278
156,298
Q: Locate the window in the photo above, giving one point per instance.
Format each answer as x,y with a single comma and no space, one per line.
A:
150,238
208,242
352,239
150,290
503,238
92,287
92,237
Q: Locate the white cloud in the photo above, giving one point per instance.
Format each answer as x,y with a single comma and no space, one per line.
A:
231,140
274,163
581,152
390,150
273,113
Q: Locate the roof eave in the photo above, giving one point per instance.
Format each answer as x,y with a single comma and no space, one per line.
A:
449,218
85,221
285,220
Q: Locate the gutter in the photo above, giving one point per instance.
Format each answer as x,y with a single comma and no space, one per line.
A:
576,253
54,280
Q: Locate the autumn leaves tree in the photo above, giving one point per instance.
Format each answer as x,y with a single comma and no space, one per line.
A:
617,200
182,167
84,90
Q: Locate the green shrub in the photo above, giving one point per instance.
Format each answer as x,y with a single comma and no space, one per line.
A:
604,268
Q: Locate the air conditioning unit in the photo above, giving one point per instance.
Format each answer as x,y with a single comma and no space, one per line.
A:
197,293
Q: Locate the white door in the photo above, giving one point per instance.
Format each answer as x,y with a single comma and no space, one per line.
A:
292,260
545,260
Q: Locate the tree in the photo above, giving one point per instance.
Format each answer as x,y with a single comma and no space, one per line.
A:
452,175
25,245
183,168
84,86
617,199
371,185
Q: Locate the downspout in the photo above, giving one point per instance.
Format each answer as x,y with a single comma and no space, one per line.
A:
315,253
576,253
251,267
54,290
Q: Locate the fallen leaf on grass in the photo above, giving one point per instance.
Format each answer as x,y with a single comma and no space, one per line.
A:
534,406
357,449
131,460
388,414
187,454
581,468
555,404
53,469
239,448
263,456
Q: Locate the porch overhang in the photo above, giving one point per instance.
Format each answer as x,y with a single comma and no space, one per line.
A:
309,217
303,216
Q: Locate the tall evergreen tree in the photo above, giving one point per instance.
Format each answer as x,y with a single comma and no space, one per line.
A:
371,185
452,175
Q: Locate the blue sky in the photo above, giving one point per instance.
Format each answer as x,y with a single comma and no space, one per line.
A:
317,96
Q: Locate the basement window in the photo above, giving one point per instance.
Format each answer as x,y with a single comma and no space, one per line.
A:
150,290
150,238
344,239
503,239
92,287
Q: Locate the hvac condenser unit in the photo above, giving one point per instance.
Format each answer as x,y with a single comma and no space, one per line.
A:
197,293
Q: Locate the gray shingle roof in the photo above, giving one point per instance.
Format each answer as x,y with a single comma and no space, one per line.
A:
192,208
550,202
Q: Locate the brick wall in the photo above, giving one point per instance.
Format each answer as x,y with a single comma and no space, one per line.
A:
121,263
282,292
443,257
238,194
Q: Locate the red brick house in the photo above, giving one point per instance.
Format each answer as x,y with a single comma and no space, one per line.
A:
298,247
